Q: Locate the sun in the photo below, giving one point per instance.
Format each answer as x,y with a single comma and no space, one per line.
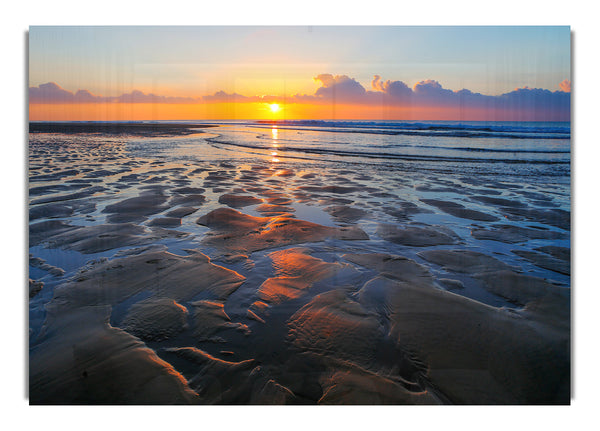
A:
274,107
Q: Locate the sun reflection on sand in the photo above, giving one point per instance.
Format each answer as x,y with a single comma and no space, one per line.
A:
274,136
295,272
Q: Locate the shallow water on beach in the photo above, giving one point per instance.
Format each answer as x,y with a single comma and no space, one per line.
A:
344,259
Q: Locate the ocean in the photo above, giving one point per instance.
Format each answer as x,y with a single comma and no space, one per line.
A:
519,147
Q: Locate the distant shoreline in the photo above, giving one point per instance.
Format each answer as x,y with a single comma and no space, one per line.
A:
116,128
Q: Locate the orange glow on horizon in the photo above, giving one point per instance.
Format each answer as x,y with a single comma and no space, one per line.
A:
259,111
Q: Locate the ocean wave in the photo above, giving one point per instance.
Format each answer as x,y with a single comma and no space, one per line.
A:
291,143
512,130
396,156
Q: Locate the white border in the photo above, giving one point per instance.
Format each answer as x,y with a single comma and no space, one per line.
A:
579,14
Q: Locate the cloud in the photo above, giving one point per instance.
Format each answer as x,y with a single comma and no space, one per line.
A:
520,104
50,93
377,84
429,87
223,97
137,96
53,93
565,86
392,88
83,96
339,87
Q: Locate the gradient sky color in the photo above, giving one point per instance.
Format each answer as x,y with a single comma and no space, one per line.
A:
283,62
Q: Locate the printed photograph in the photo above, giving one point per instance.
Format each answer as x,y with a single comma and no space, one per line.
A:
301,215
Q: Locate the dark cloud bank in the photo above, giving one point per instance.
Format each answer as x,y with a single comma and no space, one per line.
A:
526,103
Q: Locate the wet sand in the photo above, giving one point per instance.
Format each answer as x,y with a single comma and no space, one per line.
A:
157,280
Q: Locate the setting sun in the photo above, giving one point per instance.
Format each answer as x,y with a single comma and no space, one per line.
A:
274,107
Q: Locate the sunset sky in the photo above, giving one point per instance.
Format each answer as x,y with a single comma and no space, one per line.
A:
403,73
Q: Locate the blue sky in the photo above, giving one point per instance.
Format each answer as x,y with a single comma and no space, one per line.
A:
194,61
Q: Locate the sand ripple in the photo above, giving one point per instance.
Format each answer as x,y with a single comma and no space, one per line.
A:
545,261
417,236
464,260
476,354
83,360
296,271
210,318
155,319
244,233
354,385
332,324
515,234
238,201
223,382
459,210
159,273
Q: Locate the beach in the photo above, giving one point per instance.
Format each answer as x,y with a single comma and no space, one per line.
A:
299,263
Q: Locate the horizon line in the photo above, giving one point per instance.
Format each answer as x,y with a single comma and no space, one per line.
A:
296,119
